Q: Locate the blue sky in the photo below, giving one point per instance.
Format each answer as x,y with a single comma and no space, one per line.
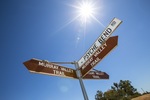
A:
41,29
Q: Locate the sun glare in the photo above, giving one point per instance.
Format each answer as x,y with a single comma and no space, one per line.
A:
86,10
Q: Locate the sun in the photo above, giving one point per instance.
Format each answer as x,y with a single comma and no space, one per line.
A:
86,9
84,12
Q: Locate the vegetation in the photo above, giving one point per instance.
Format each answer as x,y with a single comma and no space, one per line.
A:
119,91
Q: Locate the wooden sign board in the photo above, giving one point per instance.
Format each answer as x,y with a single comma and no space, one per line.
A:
100,53
48,68
96,75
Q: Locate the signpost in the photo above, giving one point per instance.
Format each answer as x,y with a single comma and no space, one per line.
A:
100,41
101,47
48,68
100,53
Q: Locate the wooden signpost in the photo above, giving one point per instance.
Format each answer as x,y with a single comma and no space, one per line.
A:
101,47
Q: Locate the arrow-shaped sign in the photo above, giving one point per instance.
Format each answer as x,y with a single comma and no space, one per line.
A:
96,75
48,68
100,53
100,41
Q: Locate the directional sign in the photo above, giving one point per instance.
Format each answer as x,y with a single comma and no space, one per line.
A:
100,53
100,41
96,75
48,68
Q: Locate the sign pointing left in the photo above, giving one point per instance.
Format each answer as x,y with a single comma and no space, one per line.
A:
48,68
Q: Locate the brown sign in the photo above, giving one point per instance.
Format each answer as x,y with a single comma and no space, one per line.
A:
101,39
48,68
96,75
100,53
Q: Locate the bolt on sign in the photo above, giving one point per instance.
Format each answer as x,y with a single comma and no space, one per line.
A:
48,68
100,53
100,41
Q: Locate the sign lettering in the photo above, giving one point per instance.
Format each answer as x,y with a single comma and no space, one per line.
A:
44,64
90,52
60,73
105,35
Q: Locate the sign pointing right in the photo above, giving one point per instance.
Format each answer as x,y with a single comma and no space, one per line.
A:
100,41
99,54
96,75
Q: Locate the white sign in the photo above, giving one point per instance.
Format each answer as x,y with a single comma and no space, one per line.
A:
100,41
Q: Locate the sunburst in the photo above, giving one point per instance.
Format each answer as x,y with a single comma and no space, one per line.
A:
87,10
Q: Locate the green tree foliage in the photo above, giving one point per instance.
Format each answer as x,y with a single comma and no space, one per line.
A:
119,91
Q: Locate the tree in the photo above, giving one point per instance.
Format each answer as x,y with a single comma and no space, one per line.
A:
99,95
119,91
